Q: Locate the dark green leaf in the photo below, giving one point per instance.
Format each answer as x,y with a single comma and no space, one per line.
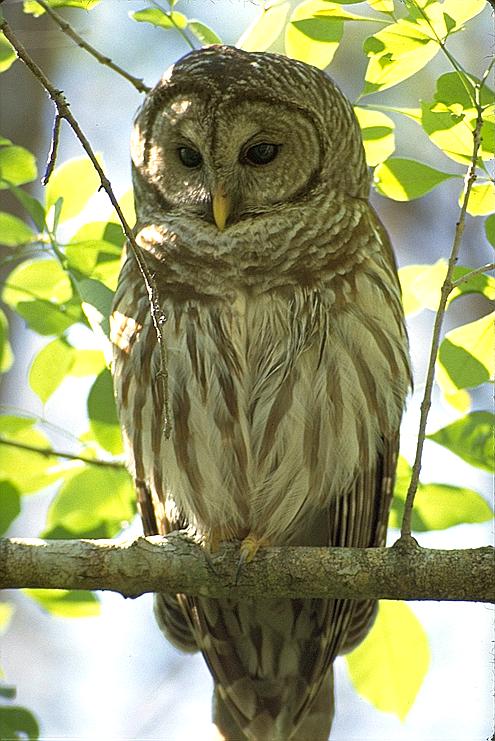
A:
10,505
65,603
32,206
103,414
490,229
17,724
8,692
405,179
471,438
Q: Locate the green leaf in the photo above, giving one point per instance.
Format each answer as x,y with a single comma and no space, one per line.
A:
17,166
378,134
481,199
7,53
382,6
471,438
8,692
97,304
466,357
10,507
92,499
102,414
6,355
13,231
389,666
421,286
49,368
64,603
75,182
317,39
160,18
26,470
32,206
481,283
335,11
31,6
203,33
17,723
490,229
436,506
265,29
102,231
405,179
95,259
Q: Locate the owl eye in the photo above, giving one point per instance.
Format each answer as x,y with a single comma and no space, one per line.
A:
261,154
189,157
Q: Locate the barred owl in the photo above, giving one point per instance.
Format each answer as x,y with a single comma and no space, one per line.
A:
287,364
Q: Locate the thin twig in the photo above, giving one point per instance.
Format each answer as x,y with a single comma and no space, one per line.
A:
435,342
69,456
101,58
473,273
52,157
62,106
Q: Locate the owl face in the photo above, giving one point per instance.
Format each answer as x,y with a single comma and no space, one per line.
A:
227,136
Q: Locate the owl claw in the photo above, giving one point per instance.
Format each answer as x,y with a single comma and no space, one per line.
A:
249,548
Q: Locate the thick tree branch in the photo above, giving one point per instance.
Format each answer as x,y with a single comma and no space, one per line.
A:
173,564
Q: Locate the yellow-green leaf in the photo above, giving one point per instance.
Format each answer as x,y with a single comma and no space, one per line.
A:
490,229
14,231
160,18
481,199
6,354
382,6
467,355
404,179
50,367
203,33
31,6
17,166
6,613
265,29
310,39
378,134
421,286
75,181
10,508
37,279
65,603
7,53
103,415
389,667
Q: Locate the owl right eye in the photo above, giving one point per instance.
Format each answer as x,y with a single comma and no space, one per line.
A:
189,157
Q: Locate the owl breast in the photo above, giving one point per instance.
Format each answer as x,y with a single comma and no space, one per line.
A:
277,398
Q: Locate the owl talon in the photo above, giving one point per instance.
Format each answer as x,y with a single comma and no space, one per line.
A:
249,548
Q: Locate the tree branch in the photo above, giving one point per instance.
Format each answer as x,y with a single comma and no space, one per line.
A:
173,564
59,454
101,58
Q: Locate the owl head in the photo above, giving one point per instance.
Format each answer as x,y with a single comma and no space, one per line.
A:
228,135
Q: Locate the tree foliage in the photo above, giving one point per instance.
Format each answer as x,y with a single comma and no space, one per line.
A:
58,283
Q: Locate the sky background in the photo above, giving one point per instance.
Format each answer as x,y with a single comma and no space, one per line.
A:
114,677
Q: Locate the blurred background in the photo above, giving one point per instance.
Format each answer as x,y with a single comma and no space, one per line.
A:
114,677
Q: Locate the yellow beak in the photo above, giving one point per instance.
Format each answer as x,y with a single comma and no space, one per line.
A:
221,207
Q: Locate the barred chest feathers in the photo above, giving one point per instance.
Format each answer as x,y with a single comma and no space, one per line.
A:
278,398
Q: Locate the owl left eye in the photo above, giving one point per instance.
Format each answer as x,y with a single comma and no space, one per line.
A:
261,154
190,157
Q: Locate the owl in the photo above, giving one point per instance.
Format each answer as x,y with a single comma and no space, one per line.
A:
287,364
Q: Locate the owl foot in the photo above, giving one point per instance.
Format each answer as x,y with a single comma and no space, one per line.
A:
249,548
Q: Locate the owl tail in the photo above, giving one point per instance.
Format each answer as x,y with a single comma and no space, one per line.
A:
315,725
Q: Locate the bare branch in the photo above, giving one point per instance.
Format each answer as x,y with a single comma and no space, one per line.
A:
63,110
69,456
473,273
437,328
101,58
173,564
52,157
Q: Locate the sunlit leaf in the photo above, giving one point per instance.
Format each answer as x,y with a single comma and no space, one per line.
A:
7,53
14,231
437,506
466,357
50,367
6,613
6,355
265,28
337,12
18,723
389,666
31,6
378,134
92,498
103,415
481,283
75,181
471,438
312,40
25,469
10,507
481,199
421,286
160,18
405,179
64,603
382,6
203,33
17,166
